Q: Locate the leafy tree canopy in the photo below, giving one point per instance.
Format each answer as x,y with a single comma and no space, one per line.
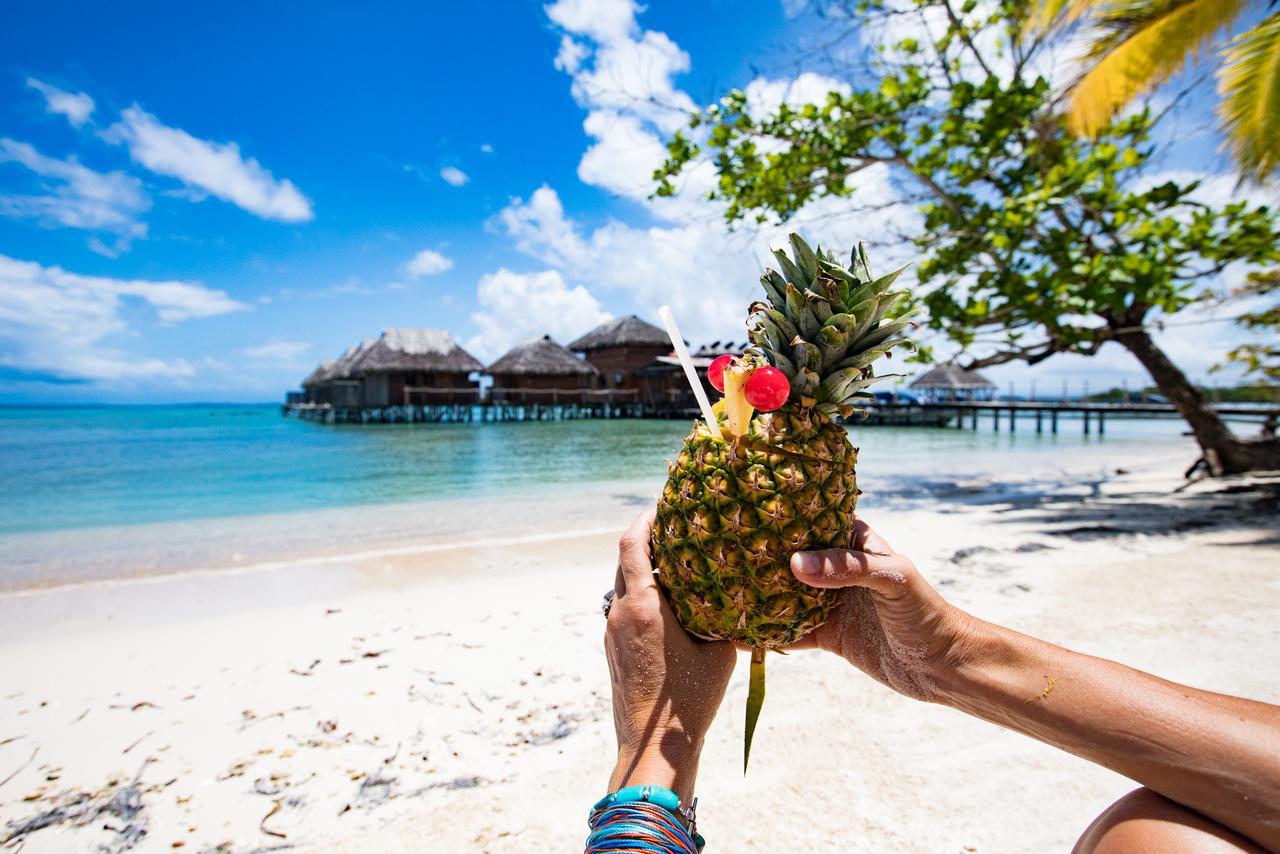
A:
1039,241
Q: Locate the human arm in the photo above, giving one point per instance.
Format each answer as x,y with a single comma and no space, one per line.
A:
667,685
1214,754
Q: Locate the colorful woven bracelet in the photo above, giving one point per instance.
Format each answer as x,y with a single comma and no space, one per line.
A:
639,827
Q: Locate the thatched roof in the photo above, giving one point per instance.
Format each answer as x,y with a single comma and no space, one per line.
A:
320,374
622,332
540,357
951,375
342,368
414,350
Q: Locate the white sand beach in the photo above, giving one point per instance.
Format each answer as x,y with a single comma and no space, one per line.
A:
412,689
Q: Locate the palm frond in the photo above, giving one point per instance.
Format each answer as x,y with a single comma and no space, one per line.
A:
1046,15
1142,44
1250,89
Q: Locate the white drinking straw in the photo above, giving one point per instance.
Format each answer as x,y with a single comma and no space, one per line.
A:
690,373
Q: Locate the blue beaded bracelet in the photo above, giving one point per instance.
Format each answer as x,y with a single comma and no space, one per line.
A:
664,798
626,812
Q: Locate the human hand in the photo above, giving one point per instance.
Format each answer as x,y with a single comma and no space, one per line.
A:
888,622
667,685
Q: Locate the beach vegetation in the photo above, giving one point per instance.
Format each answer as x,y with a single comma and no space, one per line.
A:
1261,357
1032,240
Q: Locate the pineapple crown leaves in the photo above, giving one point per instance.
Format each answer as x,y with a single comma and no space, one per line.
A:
825,325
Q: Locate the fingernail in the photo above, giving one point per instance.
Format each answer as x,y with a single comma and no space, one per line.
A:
805,563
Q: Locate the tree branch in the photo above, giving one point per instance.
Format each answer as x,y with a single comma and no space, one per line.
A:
964,36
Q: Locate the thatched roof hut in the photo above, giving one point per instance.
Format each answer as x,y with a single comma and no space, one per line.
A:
320,374
541,363
628,331
622,347
540,357
413,350
342,368
949,381
334,382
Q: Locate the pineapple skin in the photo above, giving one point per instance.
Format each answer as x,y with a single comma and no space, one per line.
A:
733,512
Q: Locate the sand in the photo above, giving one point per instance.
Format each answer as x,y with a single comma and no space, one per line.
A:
393,693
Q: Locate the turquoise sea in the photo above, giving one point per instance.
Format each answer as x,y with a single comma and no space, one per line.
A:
66,468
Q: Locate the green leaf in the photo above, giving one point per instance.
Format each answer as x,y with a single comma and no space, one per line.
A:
755,702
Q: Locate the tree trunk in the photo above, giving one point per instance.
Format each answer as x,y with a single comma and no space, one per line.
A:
1224,452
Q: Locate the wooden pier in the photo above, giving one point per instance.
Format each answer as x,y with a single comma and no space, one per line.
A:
1045,415
466,405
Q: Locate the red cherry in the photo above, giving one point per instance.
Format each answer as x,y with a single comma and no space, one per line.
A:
715,371
767,388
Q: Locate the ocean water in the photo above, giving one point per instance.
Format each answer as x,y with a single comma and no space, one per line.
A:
63,468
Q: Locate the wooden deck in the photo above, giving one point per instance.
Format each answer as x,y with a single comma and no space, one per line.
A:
1041,416
426,406
453,405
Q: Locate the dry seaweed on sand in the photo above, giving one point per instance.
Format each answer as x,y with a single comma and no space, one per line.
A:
81,809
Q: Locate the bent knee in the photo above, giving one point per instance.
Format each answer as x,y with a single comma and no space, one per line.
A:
1143,822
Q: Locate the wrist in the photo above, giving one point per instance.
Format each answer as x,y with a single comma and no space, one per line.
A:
970,647
669,760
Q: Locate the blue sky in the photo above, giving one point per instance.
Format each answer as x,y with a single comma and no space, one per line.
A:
201,207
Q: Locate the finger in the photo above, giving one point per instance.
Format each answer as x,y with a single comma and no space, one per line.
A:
635,566
887,575
867,540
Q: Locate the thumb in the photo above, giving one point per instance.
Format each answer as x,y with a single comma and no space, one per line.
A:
887,575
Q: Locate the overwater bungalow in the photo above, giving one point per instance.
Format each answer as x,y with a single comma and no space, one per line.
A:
540,371
409,367
662,385
315,381
620,347
332,383
949,382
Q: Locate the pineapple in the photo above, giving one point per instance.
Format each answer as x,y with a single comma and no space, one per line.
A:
735,508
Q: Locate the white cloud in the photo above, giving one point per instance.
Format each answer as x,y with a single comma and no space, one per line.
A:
77,196
513,307
454,176
75,106
57,322
216,168
635,75
689,259
765,96
487,148
623,157
541,230
707,273
624,77
277,351
428,262
601,20
571,54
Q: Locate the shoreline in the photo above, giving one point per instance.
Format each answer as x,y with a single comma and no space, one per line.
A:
303,561
51,559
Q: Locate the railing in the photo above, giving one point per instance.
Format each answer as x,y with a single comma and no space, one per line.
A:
560,396
436,396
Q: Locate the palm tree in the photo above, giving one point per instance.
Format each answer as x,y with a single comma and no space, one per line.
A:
1142,43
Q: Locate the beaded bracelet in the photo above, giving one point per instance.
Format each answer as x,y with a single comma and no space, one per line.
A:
639,826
